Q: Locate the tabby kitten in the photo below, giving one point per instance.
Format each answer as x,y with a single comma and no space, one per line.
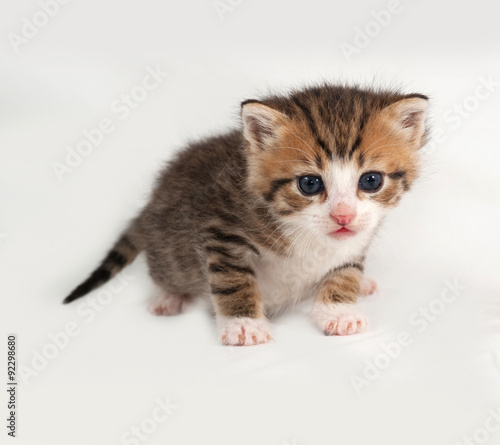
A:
280,210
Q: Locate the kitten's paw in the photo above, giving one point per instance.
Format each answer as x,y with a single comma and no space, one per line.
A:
338,319
243,331
167,304
368,286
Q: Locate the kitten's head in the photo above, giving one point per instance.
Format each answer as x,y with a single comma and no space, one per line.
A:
332,161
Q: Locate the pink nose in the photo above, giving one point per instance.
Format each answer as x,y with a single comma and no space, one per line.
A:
343,220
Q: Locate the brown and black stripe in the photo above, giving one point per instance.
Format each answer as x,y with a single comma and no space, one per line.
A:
342,284
328,124
123,253
231,274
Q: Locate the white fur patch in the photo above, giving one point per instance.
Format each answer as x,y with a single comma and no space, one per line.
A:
243,331
338,319
284,281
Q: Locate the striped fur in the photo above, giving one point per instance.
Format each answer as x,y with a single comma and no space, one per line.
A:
228,220
341,285
122,253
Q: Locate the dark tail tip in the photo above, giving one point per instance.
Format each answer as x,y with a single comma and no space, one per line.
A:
123,252
80,291
99,277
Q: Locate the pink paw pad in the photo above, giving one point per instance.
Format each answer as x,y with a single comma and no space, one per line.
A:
345,325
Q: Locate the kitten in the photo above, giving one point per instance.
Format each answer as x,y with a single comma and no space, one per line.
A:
280,210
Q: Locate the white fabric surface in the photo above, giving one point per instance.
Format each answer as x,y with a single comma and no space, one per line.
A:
298,389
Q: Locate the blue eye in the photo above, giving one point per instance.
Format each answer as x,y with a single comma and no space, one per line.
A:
310,185
370,182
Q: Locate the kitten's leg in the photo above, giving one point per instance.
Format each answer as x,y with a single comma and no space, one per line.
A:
238,307
335,311
166,303
236,298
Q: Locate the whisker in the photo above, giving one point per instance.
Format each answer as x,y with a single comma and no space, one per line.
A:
308,155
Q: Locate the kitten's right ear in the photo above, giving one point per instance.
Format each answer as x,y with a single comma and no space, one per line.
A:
261,124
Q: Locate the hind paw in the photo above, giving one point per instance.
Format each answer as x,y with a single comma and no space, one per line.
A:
167,304
368,286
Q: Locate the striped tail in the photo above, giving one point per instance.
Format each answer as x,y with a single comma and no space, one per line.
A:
122,254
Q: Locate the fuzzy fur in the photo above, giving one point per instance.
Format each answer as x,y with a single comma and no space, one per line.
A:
227,219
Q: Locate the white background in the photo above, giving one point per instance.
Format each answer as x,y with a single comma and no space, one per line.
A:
297,390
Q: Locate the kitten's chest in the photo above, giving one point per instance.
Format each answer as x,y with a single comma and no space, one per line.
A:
283,281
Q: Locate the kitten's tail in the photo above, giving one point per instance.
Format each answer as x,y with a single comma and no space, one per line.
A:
121,254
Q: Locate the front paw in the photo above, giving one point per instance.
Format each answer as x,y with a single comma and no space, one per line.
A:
243,331
338,318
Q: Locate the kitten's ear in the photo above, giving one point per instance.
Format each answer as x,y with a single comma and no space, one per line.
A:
406,118
261,124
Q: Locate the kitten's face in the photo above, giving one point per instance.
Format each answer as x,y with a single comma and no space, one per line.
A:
333,179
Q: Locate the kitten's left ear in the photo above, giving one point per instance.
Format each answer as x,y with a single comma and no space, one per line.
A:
261,124
406,118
